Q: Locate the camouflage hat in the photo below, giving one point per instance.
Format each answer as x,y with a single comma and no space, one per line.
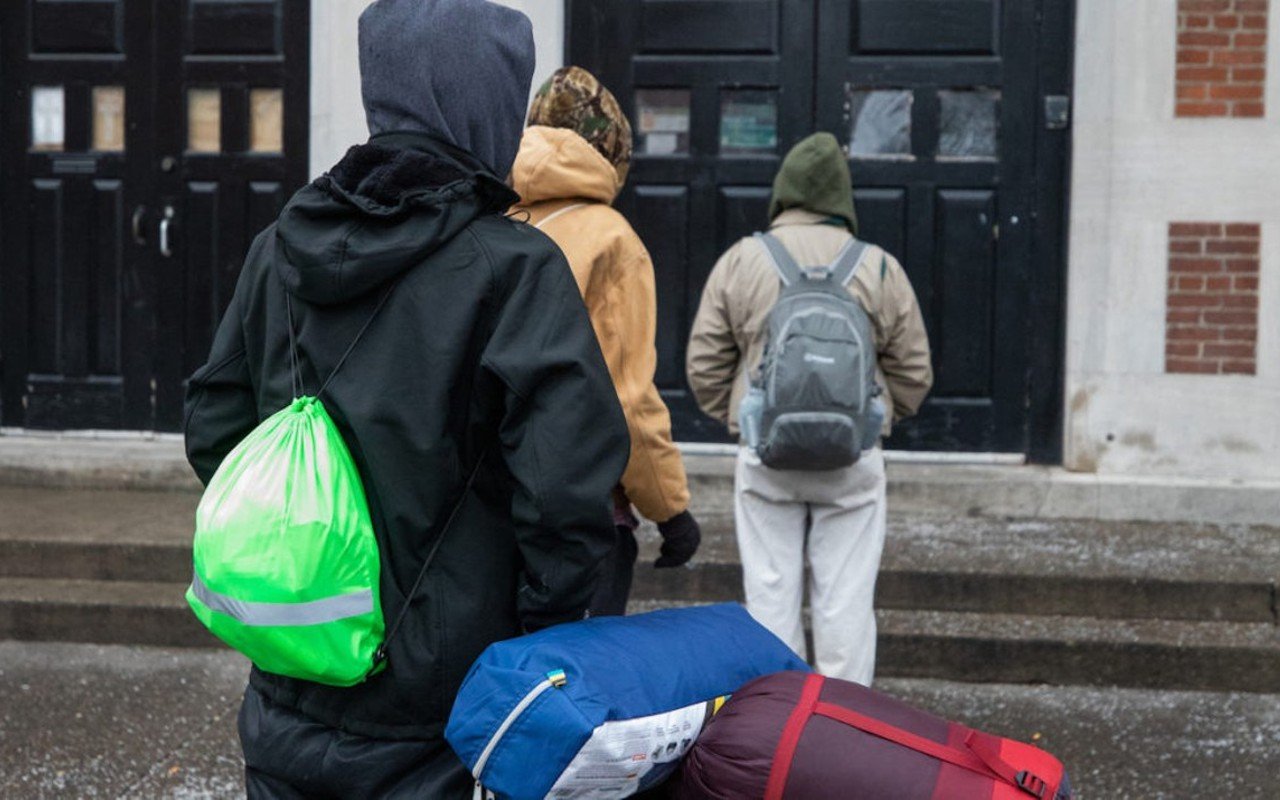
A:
572,98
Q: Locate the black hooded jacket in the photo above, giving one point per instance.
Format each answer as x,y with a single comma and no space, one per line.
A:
483,354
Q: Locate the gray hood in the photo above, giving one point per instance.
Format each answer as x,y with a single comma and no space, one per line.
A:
459,70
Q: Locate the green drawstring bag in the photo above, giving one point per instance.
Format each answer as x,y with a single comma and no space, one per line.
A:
286,560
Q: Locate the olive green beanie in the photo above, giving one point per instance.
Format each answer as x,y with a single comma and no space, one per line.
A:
815,176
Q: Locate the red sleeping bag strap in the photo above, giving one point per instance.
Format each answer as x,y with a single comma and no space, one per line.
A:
790,739
979,757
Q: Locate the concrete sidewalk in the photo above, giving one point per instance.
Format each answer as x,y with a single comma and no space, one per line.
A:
88,721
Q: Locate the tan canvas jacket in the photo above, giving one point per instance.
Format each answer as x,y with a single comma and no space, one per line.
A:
567,188
731,328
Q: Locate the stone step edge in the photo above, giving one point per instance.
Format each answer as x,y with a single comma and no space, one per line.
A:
946,487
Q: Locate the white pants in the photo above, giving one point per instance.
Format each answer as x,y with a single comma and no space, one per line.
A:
837,518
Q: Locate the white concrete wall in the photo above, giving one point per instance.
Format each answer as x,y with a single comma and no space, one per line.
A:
337,115
1137,168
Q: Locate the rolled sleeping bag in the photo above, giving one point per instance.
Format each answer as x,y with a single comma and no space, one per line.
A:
606,707
799,736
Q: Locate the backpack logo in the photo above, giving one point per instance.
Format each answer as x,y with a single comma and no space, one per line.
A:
814,358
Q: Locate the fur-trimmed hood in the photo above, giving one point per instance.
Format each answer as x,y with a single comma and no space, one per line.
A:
381,210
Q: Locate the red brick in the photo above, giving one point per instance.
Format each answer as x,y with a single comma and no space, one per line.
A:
1195,21
1248,74
1248,110
1195,265
1232,350
1192,56
1186,246
1255,22
1226,22
1249,367
1232,57
1203,6
1207,74
1182,349
1232,246
1245,283
1204,39
1244,229
1250,40
1202,109
1239,334
1189,283
1182,316
1192,334
1240,301
1231,318
1252,6
1231,91
1182,230
1216,283
1191,366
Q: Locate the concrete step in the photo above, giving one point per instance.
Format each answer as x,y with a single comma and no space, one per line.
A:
934,483
1009,648
1088,651
1074,568
99,612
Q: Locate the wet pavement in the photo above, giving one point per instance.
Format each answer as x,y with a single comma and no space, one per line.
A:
86,721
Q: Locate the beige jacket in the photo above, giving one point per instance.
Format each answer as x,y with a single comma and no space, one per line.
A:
558,173
731,328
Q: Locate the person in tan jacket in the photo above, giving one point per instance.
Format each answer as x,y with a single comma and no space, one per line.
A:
836,517
572,163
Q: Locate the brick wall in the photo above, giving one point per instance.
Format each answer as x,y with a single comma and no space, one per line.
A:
1222,56
1212,317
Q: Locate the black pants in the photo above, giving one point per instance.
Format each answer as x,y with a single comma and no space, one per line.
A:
616,573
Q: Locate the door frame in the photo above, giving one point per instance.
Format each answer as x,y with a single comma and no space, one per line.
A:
1046,291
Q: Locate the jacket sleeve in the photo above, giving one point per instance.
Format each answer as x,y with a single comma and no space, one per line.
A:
563,436
712,361
221,408
655,479
905,360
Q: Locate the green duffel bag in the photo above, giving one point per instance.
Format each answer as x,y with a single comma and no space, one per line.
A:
287,563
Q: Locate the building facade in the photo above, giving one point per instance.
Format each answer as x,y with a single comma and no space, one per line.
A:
1077,188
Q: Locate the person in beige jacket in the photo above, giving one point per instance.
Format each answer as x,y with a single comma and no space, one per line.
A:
836,518
572,163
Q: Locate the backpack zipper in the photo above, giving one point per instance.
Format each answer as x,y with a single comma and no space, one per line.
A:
555,679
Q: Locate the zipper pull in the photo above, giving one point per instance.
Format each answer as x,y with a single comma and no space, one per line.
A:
557,678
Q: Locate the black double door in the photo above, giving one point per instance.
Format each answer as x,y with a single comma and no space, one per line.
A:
144,144
948,110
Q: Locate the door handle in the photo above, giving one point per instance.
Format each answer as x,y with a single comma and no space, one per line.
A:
139,214
164,232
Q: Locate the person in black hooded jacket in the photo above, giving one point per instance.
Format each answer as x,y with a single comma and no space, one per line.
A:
479,358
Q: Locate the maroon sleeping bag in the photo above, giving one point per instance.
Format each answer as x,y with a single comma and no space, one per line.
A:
796,736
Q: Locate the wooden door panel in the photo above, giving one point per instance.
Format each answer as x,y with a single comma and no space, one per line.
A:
901,27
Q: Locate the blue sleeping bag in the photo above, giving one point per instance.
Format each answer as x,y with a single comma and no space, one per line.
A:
606,707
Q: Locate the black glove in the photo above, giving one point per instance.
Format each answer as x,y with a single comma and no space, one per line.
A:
680,539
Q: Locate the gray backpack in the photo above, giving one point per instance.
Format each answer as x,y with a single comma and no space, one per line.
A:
814,403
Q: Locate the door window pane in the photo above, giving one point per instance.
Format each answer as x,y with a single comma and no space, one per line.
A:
970,124
266,121
880,123
108,119
748,122
664,121
48,126
204,120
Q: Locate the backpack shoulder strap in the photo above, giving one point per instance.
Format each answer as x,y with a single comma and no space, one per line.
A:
847,262
293,341
788,269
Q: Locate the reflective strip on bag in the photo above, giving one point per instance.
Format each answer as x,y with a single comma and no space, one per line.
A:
272,615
